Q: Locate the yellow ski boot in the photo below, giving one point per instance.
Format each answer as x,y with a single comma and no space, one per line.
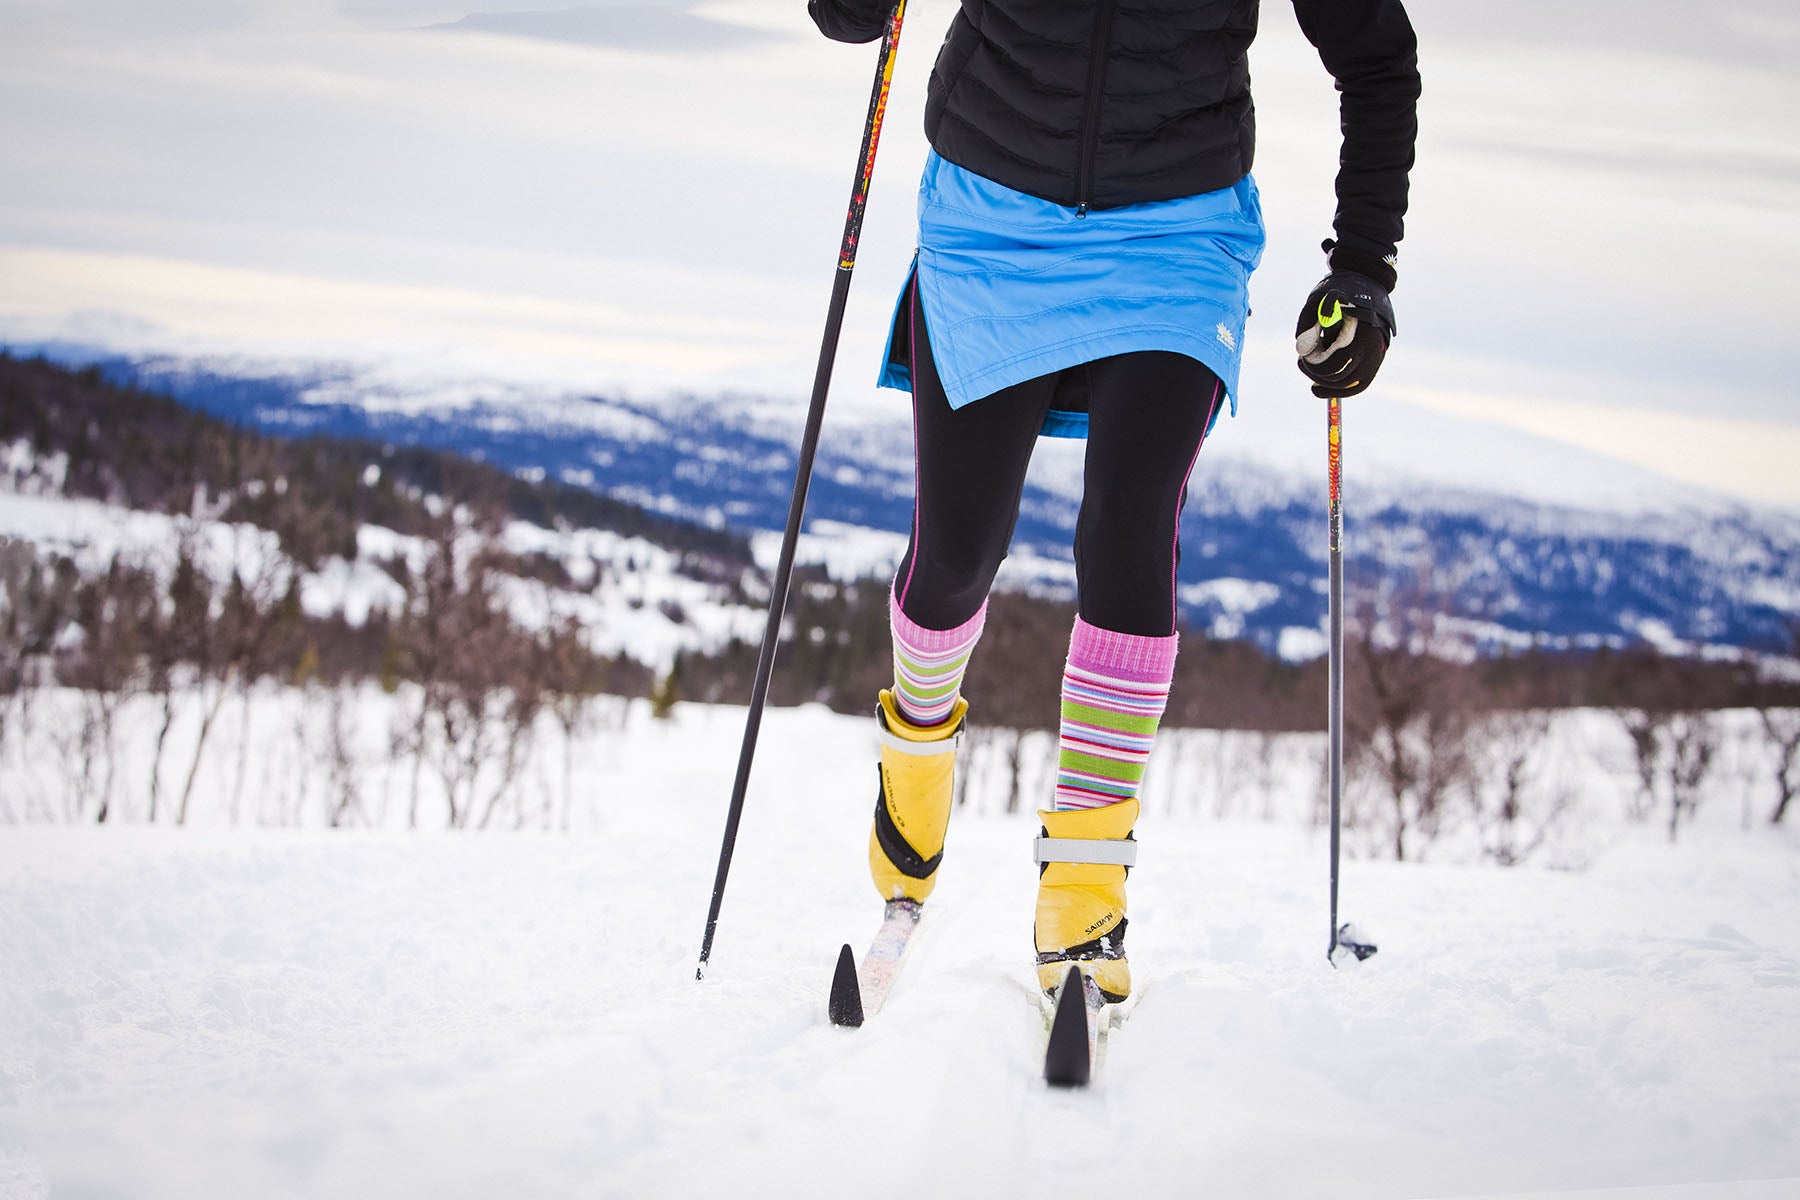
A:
1085,854
912,812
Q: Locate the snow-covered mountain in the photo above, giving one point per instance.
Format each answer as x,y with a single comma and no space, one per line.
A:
1687,572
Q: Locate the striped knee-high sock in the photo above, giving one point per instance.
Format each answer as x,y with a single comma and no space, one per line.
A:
1115,687
929,664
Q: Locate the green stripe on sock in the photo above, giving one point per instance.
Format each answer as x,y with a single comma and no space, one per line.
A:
1104,718
1106,768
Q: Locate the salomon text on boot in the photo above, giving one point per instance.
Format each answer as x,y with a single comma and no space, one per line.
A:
1084,855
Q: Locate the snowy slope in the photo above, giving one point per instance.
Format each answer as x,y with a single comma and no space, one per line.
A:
217,1012
628,594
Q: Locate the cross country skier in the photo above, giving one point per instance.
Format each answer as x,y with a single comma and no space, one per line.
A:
1087,230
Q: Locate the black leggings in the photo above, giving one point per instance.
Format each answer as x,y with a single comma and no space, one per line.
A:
1148,413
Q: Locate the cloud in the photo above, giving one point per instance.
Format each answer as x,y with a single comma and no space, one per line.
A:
620,26
1608,226
1703,449
123,20
1758,34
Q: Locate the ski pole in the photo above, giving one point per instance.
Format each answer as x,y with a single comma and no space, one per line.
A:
809,444
1341,935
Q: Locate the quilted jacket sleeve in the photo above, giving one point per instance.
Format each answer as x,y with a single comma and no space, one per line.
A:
1369,48
850,20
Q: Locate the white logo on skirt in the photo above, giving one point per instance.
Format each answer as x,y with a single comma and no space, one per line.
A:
1226,338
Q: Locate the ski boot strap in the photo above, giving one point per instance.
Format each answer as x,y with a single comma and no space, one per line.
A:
1111,852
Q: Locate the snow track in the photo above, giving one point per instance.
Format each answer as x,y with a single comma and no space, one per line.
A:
287,1014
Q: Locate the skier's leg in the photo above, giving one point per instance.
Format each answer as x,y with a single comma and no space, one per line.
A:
970,470
1148,414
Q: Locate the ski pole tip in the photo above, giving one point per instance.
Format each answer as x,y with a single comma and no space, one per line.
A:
1349,945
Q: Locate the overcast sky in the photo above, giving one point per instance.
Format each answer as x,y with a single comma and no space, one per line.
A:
1604,235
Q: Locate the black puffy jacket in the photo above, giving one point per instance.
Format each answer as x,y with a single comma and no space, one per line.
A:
1101,103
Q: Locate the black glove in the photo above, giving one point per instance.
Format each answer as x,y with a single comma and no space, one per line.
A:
850,20
1344,330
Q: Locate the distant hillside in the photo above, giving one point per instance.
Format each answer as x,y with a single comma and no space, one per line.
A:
1505,574
127,563
145,450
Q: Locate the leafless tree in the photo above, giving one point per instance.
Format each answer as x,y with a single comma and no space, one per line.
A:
1408,730
1648,731
259,613
974,744
1783,728
419,647
1673,750
1411,708
1693,745
38,600
1265,768
18,572
1782,725
1015,769
1517,809
195,641
343,787
573,677
18,567
479,694
113,612
184,643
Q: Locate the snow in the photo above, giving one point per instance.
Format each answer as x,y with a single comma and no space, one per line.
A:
847,552
93,534
287,1012
1299,643
645,609
1233,598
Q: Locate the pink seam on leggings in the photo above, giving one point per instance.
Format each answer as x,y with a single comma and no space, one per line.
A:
912,365
1180,497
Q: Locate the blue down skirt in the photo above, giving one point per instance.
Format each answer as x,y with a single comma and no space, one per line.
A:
1014,287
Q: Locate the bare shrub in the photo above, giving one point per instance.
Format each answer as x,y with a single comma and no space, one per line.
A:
105,665
1648,731
1517,809
478,696
1673,752
1694,738
1408,725
571,678
1782,725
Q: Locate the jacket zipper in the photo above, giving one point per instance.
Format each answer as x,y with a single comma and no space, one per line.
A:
1090,122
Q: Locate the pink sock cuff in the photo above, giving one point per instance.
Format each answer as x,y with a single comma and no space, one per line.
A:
1123,655
934,641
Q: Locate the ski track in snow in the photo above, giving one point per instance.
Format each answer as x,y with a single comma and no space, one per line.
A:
216,1012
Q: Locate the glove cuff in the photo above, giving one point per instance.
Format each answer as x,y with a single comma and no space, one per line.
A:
1360,262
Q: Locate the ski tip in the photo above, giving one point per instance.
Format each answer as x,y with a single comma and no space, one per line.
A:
846,993
1066,1062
